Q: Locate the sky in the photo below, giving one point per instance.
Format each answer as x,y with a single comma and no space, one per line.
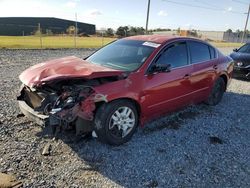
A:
213,15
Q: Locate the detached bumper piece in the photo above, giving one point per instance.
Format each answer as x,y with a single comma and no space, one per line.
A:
40,119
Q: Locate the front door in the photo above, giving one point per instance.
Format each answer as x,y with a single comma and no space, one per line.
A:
167,91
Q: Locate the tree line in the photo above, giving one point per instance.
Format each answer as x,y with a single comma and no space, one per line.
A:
124,31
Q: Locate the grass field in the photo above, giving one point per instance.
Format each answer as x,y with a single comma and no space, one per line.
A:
32,42
226,44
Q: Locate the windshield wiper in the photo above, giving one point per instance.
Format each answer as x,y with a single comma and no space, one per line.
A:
114,65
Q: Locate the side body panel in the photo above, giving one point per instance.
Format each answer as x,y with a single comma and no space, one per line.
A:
165,92
202,79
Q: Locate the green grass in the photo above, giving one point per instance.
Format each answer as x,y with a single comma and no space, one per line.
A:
226,44
32,42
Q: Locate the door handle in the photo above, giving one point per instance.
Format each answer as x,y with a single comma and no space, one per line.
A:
215,67
187,76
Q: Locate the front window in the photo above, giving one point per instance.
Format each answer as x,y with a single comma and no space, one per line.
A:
175,55
124,54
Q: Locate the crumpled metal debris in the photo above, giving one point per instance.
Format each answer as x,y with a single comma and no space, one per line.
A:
47,149
9,181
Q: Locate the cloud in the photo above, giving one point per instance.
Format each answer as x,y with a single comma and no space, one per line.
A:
94,12
162,13
187,26
70,4
35,8
229,9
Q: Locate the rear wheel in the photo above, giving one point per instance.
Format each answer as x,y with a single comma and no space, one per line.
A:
217,92
116,122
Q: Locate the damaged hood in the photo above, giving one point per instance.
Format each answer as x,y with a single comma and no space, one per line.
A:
64,68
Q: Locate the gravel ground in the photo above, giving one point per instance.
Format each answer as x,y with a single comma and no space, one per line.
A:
199,146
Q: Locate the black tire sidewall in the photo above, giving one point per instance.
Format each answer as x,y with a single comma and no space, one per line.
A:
102,118
220,83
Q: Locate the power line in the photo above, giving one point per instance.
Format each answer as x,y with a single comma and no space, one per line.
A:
241,2
209,4
216,6
190,5
202,7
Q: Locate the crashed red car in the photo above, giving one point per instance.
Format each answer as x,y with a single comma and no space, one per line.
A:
124,84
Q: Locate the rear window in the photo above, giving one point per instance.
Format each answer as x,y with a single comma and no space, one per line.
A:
199,52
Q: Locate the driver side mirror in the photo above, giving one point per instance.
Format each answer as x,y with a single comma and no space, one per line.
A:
235,50
158,68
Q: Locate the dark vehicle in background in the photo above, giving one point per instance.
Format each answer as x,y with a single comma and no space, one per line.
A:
241,59
124,84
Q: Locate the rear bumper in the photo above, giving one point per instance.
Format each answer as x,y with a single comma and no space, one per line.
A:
40,119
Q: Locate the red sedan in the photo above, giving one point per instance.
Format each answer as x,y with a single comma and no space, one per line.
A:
124,84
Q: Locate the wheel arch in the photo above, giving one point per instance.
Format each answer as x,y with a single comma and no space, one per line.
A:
225,78
136,103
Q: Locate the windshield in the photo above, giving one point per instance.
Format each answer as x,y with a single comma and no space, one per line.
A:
127,55
245,48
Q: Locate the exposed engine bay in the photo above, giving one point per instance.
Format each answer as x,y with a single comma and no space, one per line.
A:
66,101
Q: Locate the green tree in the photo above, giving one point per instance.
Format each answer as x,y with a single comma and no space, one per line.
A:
178,31
229,31
71,30
136,31
109,32
122,31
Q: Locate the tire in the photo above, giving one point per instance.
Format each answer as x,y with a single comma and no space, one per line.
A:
217,92
111,124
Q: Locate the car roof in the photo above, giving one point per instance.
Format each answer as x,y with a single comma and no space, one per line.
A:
160,39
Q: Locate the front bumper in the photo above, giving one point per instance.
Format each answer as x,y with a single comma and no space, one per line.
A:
241,72
40,119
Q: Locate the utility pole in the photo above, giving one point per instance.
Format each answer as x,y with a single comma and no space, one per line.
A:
40,35
147,17
75,29
244,33
102,37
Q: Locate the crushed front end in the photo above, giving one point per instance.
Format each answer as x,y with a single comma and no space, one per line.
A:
63,92
60,104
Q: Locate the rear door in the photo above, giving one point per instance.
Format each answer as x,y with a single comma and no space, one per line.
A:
167,91
204,61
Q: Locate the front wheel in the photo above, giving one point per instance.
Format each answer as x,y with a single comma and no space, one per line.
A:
116,122
217,92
